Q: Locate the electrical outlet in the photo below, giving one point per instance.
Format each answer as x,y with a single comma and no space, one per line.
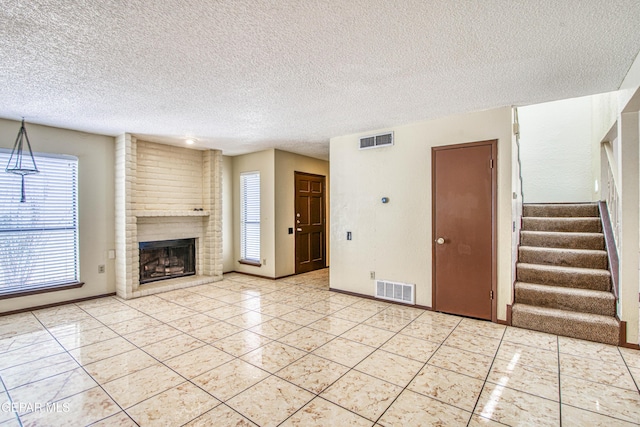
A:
101,268
372,274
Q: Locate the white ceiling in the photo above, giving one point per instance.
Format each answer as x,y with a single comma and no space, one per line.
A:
244,75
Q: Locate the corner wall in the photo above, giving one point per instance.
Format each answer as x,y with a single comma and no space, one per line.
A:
516,199
277,204
616,122
227,215
394,239
263,162
96,207
285,167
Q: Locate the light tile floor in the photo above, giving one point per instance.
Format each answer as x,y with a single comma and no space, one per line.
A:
248,351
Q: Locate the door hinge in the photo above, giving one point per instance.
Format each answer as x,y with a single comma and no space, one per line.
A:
491,163
491,294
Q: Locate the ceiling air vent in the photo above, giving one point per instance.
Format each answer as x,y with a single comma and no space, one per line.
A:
375,141
394,291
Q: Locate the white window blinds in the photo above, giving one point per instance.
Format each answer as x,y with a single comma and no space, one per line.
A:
39,238
250,216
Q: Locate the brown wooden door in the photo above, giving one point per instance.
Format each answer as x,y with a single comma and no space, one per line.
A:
310,222
464,194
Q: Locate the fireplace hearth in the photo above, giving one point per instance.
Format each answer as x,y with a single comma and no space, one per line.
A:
167,259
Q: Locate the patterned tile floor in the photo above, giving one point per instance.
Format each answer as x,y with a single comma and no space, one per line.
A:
248,351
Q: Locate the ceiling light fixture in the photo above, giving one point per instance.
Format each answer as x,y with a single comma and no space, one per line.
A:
190,141
18,164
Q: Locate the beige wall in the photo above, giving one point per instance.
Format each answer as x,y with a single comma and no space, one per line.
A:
96,206
227,215
286,164
394,239
263,162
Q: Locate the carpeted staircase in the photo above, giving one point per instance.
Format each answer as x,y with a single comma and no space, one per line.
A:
563,283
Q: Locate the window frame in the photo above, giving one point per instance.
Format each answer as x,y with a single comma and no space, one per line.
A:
71,204
250,258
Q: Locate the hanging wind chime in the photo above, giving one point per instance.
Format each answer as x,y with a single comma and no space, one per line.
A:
18,163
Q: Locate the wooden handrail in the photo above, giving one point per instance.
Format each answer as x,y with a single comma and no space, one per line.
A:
610,245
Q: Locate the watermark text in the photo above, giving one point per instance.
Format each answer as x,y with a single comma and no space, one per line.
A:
23,407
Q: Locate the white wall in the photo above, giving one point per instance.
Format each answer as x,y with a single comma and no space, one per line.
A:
394,239
556,151
286,165
96,207
615,119
629,86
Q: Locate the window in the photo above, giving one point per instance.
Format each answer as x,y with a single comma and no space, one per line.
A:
250,217
39,238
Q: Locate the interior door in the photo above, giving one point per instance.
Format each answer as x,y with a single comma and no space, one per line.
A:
464,253
310,222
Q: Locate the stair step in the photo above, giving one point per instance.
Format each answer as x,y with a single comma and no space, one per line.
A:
577,225
586,326
580,300
561,210
552,239
569,277
583,258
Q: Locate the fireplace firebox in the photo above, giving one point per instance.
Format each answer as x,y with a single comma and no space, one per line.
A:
167,259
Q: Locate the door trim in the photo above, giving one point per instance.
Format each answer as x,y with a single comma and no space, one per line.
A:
494,209
324,217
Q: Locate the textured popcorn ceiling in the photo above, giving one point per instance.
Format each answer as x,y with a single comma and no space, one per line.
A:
244,75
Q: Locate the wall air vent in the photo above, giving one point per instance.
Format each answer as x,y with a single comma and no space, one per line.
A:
368,142
375,141
394,291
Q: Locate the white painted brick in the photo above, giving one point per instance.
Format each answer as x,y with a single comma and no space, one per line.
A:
170,181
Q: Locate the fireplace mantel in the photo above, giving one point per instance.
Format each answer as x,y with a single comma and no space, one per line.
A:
160,213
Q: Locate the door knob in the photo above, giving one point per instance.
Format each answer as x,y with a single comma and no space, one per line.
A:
299,229
440,241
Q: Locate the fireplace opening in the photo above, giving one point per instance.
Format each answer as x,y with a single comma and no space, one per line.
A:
167,259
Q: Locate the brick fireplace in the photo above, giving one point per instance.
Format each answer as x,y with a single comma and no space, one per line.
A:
165,192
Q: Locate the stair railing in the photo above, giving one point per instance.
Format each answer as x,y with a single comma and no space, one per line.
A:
517,213
613,195
516,131
609,214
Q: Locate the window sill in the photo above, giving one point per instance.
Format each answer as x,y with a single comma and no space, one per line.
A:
34,291
247,262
